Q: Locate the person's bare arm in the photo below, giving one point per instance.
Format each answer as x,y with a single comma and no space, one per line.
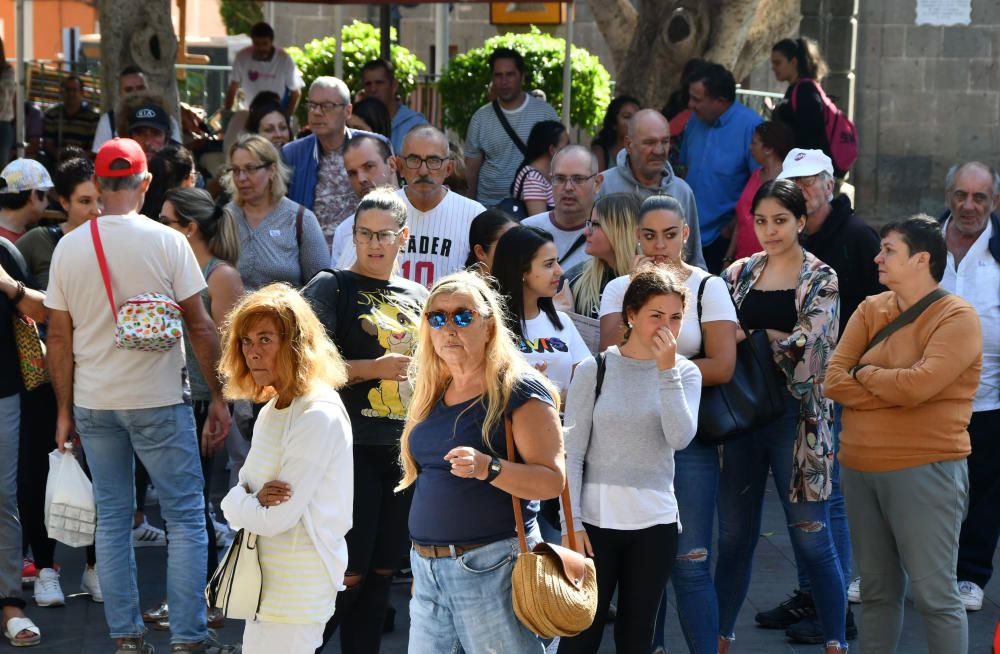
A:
234,86
205,342
30,303
535,206
472,165
225,287
59,361
293,102
720,352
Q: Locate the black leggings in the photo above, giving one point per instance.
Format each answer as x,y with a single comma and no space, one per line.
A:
638,563
38,438
377,541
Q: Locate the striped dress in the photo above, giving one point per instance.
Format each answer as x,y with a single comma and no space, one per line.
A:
296,588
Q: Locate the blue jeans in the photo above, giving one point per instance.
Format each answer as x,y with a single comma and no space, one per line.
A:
164,440
696,484
745,463
464,604
10,524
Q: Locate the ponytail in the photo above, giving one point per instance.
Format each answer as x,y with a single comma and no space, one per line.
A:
805,51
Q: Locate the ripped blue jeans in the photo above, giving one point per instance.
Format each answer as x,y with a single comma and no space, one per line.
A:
745,464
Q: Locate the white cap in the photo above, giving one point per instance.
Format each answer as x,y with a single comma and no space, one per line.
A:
803,163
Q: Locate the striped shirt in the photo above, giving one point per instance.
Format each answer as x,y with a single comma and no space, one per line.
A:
530,184
271,251
77,129
489,141
439,239
293,589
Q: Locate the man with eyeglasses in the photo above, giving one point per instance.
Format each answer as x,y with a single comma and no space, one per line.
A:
439,219
972,236
370,165
319,179
643,168
575,184
130,80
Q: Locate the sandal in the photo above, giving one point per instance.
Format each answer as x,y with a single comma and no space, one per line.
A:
15,626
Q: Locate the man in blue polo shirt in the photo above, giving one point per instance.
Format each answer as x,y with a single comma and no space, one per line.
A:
716,150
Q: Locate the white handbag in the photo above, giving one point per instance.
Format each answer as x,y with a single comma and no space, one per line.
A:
236,585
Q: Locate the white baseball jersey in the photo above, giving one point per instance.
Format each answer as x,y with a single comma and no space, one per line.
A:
439,239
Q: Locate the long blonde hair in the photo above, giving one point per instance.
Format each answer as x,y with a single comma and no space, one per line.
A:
306,356
505,367
616,214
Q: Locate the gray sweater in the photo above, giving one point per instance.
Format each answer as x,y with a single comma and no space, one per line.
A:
270,252
641,417
621,179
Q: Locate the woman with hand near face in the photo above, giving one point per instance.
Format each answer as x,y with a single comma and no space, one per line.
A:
468,375
620,458
372,314
794,297
296,487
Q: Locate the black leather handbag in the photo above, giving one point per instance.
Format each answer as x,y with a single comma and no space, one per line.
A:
753,397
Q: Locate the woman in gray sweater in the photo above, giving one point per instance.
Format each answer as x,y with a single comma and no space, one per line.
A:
623,425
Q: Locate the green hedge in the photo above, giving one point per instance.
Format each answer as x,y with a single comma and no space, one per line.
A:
361,44
464,83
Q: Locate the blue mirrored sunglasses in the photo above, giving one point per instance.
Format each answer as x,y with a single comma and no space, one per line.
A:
461,318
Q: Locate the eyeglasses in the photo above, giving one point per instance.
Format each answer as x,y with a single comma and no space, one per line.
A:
563,180
591,225
362,235
238,172
461,318
433,163
807,181
324,107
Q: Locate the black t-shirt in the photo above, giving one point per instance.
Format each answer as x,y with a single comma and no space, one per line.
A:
450,510
807,120
368,318
10,368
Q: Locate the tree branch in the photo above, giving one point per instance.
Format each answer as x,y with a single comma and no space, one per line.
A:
617,20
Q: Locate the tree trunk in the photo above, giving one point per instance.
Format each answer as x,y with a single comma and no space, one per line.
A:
651,40
140,33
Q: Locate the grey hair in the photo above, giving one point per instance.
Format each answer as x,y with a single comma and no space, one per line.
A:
825,177
330,82
383,198
577,149
126,183
949,180
660,203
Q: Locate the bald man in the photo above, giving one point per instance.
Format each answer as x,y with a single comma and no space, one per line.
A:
642,168
439,219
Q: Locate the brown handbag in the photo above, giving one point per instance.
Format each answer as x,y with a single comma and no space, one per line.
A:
553,589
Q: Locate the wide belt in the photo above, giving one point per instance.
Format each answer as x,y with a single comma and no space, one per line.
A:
444,551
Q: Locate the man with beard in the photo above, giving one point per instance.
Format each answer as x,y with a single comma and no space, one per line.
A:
439,219
369,164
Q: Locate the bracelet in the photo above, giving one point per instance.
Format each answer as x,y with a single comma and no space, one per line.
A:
855,369
19,293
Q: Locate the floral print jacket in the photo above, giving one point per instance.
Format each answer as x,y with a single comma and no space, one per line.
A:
802,357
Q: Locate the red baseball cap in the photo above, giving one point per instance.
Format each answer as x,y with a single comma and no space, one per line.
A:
120,157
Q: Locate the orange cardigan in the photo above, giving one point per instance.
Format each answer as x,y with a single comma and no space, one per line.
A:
911,404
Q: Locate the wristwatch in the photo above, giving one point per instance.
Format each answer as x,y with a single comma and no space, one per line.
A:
494,469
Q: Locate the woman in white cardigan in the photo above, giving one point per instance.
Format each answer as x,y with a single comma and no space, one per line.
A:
296,487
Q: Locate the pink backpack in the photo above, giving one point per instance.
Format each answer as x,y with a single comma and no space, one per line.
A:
841,133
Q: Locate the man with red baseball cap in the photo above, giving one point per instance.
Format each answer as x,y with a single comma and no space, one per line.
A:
126,402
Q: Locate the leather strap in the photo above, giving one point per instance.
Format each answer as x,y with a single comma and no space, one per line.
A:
908,316
507,128
298,226
95,235
580,240
444,551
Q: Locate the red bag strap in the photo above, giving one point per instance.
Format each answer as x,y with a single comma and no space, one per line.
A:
518,516
95,235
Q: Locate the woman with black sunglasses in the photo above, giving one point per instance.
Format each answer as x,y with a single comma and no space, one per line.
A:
468,377
371,314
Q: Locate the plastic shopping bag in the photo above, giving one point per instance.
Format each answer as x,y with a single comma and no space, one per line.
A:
70,513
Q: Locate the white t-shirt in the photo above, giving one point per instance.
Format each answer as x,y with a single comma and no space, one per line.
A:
342,239
106,377
105,132
278,74
564,238
439,239
716,304
559,349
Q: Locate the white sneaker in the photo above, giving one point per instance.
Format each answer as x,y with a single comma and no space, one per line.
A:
48,592
972,595
89,584
854,591
146,535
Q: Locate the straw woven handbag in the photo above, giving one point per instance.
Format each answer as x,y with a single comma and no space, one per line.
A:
554,589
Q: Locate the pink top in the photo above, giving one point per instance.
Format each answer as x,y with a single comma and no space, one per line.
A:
746,238
534,186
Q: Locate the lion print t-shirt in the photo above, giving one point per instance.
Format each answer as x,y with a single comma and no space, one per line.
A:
368,318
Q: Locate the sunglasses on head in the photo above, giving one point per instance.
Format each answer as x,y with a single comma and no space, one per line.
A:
461,318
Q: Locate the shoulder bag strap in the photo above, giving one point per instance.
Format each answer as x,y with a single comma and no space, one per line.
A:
95,235
908,316
580,240
507,128
298,226
518,516
701,292
602,367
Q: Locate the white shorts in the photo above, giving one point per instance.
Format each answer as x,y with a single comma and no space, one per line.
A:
272,637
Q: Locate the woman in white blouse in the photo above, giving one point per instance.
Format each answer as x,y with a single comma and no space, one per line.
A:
296,487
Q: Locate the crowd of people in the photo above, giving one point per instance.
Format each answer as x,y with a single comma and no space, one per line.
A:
386,356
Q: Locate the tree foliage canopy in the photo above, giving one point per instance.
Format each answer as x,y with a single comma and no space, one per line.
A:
240,15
